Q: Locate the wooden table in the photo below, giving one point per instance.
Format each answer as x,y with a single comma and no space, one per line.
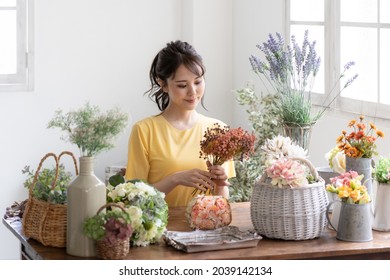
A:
324,247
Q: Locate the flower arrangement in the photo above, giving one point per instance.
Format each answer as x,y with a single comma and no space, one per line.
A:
146,207
349,188
221,144
208,212
291,71
382,171
88,128
279,147
112,226
43,187
287,172
336,160
360,142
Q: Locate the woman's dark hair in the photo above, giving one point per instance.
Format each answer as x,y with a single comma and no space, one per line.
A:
165,64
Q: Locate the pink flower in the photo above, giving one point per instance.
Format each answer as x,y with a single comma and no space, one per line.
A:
345,178
287,172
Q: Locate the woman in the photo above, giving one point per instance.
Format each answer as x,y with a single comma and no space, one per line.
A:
164,149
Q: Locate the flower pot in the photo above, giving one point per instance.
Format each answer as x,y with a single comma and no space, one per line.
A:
86,194
382,208
208,212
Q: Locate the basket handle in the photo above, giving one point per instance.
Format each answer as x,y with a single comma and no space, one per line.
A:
74,160
313,170
39,169
110,205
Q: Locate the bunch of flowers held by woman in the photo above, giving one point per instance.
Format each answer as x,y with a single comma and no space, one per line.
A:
382,170
361,141
290,71
280,147
221,144
146,207
349,188
208,212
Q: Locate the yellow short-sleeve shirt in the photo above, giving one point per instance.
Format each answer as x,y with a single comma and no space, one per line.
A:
157,149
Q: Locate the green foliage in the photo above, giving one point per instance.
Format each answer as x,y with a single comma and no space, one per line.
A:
42,189
88,128
111,225
264,120
381,171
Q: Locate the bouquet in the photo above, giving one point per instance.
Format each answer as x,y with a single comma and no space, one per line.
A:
208,212
349,188
221,144
382,170
360,142
146,207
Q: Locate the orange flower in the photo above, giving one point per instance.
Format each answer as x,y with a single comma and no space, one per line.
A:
373,126
339,139
380,133
359,135
361,126
352,152
351,123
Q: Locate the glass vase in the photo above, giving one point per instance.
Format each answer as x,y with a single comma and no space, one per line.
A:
299,134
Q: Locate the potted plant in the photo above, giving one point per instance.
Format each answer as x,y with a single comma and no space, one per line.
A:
112,231
289,70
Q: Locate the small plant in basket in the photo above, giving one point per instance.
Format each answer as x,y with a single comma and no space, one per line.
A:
43,187
111,230
349,188
111,226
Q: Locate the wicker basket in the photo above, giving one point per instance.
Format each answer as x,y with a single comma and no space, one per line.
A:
289,213
112,251
42,220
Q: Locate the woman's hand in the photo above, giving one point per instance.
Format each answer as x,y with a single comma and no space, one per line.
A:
195,178
219,174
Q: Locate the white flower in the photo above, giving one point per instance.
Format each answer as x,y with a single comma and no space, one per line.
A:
279,147
336,160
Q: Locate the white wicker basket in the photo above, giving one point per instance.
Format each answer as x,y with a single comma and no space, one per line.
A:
289,213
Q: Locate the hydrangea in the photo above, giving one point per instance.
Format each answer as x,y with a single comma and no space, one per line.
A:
146,207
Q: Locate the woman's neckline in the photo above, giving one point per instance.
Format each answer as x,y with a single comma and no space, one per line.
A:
180,124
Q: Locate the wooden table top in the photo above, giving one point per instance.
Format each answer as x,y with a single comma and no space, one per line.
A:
324,247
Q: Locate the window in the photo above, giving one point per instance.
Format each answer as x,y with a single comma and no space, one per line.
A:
348,30
15,45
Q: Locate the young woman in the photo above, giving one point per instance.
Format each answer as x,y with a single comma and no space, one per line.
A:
164,149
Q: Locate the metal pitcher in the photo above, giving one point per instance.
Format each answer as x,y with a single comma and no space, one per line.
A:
355,222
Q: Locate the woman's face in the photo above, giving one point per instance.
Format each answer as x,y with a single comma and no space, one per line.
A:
185,89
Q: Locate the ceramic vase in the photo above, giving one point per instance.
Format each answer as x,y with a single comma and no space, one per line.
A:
382,208
86,194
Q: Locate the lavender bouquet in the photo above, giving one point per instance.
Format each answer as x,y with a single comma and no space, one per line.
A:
290,70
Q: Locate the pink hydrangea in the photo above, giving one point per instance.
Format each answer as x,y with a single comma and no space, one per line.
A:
287,172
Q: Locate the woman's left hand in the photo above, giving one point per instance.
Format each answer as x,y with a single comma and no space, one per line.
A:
220,177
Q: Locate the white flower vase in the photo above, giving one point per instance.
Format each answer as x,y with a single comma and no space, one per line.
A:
86,194
382,208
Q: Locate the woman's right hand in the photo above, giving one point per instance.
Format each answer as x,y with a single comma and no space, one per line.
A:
195,178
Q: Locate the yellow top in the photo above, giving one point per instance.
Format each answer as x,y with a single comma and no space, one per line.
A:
157,149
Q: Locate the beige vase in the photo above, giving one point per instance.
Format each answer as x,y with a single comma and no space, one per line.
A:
86,194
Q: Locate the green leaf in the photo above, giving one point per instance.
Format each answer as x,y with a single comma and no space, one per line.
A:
115,180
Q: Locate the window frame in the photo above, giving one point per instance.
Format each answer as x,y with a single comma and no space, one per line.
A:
22,80
332,28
